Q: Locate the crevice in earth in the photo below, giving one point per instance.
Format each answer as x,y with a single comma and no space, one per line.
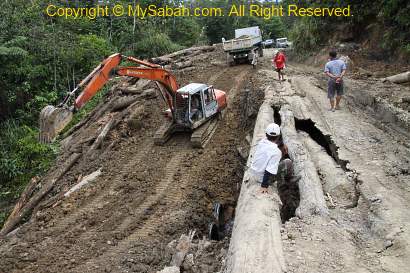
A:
289,191
326,141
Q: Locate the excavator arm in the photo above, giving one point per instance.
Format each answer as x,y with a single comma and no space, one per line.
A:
54,119
93,83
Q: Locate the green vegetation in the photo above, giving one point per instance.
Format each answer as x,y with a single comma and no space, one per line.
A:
388,17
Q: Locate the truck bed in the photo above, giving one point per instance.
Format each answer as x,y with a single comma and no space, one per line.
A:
241,43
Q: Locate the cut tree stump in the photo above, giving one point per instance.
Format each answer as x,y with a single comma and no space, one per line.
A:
256,245
312,199
15,219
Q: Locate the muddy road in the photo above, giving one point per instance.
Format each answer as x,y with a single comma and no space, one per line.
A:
148,195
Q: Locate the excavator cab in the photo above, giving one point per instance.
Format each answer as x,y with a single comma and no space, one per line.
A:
197,109
199,104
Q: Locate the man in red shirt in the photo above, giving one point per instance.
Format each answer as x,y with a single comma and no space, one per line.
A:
279,63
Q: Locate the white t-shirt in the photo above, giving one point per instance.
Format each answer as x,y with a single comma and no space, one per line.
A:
267,156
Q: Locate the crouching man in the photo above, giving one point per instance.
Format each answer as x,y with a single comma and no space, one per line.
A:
271,161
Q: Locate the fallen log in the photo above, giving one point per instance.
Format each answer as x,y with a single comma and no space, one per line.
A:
12,222
84,181
111,124
192,51
399,78
334,179
24,197
100,138
170,269
256,245
312,200
181,65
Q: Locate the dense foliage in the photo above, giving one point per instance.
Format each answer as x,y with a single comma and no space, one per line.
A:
390,19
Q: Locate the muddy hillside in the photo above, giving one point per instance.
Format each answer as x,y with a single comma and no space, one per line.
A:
146,195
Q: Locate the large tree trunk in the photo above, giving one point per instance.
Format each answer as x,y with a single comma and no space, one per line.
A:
312,200
256,245
399,78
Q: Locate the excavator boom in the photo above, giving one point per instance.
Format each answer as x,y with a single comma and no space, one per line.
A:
54,119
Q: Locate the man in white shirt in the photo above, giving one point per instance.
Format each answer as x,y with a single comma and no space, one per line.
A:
271,160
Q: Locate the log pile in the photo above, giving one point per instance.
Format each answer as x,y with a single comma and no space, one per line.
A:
191,52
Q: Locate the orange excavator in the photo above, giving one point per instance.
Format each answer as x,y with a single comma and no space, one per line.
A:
195,107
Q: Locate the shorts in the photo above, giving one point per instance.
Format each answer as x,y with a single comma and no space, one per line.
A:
334,88
279,69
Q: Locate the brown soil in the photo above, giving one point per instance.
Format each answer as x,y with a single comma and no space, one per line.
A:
147,195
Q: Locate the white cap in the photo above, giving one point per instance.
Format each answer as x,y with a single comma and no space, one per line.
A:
272,129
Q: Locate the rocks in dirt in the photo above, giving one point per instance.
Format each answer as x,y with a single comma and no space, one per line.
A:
243,152
202,255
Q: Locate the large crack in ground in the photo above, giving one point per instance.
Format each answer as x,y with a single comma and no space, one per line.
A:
326,141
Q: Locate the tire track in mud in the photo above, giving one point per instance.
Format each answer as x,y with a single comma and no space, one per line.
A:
68,227
166,192
95,204
78,246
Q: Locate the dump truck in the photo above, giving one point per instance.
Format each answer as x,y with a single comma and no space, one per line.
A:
246,46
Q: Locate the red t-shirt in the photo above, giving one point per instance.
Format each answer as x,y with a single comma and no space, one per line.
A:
279,60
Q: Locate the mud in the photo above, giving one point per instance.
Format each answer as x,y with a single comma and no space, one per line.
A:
147,195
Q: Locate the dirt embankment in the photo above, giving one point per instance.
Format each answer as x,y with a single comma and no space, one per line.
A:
147,195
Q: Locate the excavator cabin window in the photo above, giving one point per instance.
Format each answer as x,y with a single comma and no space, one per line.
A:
209,95
196,107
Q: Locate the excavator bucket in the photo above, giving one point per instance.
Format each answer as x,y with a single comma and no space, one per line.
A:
52,121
